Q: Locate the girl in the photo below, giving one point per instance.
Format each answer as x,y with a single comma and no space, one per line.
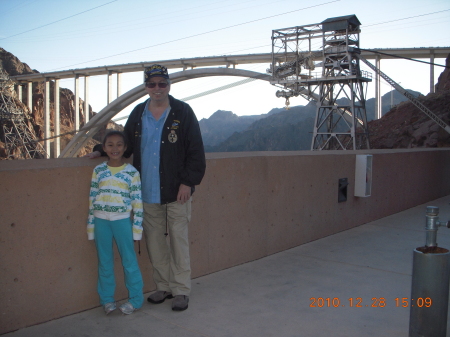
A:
115,192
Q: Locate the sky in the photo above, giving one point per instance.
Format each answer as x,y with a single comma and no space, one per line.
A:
51,35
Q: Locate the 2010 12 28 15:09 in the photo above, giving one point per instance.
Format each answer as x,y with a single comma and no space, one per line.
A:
373,302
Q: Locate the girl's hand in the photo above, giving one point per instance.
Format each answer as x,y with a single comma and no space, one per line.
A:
93,155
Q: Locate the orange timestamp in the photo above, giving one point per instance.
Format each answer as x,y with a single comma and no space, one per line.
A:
375,302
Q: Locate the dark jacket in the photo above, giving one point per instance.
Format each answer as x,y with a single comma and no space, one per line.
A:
182,156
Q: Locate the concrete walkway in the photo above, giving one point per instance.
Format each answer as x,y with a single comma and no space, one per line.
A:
368,267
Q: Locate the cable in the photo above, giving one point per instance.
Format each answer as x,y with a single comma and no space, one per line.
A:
51,23
212,91
205,93
57,136
410,17
405,58
199,34
124,26
4,12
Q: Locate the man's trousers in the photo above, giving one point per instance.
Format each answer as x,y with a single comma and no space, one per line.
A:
169,254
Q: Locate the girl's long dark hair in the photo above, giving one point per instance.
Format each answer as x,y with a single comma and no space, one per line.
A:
115,133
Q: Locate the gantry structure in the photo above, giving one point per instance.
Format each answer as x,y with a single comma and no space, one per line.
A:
339,89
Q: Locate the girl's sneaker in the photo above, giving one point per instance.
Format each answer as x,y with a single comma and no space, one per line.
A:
127,308
109,307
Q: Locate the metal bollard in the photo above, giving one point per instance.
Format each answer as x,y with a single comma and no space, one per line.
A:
430,283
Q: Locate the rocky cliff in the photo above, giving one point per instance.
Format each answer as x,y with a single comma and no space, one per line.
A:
405,126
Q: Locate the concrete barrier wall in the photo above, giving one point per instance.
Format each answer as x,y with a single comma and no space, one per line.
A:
248,206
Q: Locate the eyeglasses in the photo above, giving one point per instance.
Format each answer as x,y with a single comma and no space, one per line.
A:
152,85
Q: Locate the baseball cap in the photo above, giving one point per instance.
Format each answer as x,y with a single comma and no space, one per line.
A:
155,70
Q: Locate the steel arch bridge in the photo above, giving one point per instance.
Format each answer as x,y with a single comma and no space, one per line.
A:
107,113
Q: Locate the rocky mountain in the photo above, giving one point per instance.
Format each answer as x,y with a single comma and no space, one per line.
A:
222,124
280,129
35,118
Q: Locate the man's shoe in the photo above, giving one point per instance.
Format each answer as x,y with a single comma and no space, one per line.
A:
159,296
180,303
127,308
109,307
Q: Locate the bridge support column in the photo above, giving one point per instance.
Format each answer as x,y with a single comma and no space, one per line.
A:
119,84
378,110
432,72
109,89
86,99
76,104
110,86
30,96
57,139
47,117
19,92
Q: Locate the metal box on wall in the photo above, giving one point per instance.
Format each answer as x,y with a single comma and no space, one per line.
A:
363,175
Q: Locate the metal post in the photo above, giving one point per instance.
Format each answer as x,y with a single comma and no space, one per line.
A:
430,283
431,226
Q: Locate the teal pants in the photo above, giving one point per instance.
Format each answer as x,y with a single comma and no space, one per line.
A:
121,231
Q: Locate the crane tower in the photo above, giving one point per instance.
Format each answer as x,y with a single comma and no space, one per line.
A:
339,89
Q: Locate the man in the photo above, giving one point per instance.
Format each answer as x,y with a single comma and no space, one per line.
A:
164,136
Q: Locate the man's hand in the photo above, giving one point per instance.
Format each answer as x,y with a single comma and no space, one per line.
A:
184,194
93,155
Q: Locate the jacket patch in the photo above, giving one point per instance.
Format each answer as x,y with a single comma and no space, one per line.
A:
173,136
175,125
